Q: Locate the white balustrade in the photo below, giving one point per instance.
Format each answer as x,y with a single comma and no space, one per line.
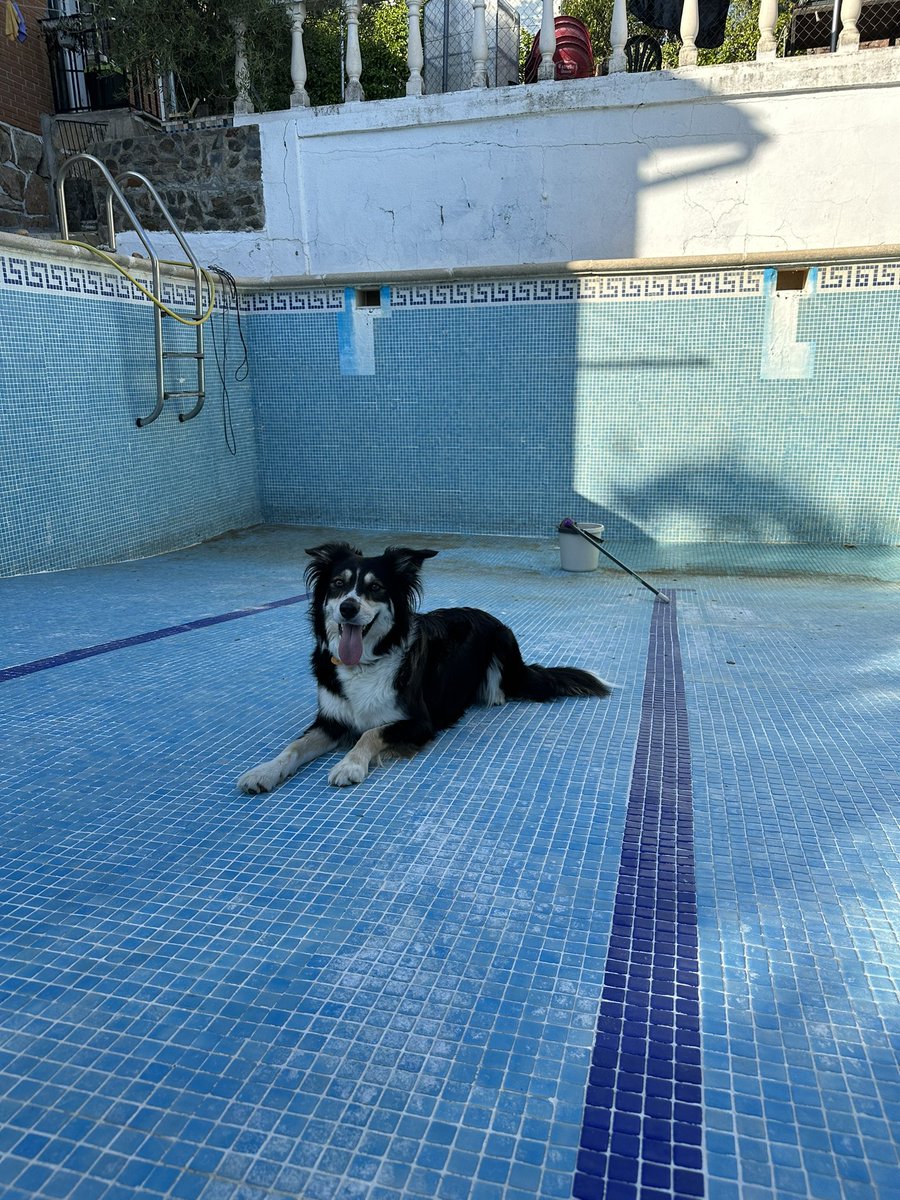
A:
353,63
768,15
299,94
547,68
618,37
479,46
415,57
690,23
242,101
848,41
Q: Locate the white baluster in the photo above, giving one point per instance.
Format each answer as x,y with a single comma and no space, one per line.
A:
690,23
415,58
299,94
479,46
848,41
353,64
547,69
242,101
618,37
768,15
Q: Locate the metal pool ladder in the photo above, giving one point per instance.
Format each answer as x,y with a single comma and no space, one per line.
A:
114,191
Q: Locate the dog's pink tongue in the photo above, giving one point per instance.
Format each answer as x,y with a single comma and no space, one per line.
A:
351,647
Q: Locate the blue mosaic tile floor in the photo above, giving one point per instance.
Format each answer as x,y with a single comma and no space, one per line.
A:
631,950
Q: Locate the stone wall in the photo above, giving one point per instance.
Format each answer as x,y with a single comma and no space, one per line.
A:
24,187
208,178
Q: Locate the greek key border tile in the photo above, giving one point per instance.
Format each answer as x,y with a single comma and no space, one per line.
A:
326,299
18,272
582,289
56,278
854,277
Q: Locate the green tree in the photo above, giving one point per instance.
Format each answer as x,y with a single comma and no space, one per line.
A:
194,39
597,16
383,39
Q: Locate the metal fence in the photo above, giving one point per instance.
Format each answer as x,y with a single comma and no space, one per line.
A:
78,137
447,42
815,25
83,75
531,13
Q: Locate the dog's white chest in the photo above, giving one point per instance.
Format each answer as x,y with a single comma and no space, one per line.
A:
369,698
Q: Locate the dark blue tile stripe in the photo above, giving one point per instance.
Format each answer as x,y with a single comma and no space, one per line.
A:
641,1138
138,639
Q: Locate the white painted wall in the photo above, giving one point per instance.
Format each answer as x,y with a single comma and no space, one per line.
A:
791,155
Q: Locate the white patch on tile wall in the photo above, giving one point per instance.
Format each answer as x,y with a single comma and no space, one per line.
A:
356,333
784,357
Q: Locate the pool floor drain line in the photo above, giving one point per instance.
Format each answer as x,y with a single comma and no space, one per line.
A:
642,1132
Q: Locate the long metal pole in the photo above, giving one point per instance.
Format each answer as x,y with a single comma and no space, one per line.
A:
568,523
835,25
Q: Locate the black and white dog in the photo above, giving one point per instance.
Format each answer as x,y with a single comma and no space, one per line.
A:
390,678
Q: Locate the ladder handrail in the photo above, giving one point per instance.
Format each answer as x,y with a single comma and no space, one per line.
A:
114,190
198,282
188,253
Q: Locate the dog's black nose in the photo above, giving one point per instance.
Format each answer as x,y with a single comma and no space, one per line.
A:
349,609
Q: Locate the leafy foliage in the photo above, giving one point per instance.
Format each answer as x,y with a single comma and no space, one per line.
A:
383,38
195,40
597,15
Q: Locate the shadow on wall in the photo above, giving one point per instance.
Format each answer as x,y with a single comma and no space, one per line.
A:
461,416
524,175
663,146
725,499
667,140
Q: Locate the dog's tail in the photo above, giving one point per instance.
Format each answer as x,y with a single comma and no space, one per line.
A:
550,683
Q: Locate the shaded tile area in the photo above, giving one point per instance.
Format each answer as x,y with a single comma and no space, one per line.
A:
642,1131
137,639
51,613
794,710
383,992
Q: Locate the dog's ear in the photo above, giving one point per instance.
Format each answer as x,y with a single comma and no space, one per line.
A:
324,556
404,557
407,565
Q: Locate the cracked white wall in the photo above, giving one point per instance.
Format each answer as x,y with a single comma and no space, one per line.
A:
795,154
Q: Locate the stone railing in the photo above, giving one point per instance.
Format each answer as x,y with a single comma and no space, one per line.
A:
353,90
353,66
768,17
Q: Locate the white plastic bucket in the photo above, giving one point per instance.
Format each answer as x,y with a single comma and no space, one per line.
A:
576,553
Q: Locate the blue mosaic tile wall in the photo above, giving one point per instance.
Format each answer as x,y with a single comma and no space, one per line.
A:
80,482
698,407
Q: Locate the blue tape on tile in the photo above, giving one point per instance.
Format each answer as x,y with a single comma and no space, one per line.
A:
641,1137
138,639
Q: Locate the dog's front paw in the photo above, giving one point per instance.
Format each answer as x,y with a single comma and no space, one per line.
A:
264,778
347,772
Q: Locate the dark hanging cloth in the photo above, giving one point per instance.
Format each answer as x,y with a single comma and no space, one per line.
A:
666,14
